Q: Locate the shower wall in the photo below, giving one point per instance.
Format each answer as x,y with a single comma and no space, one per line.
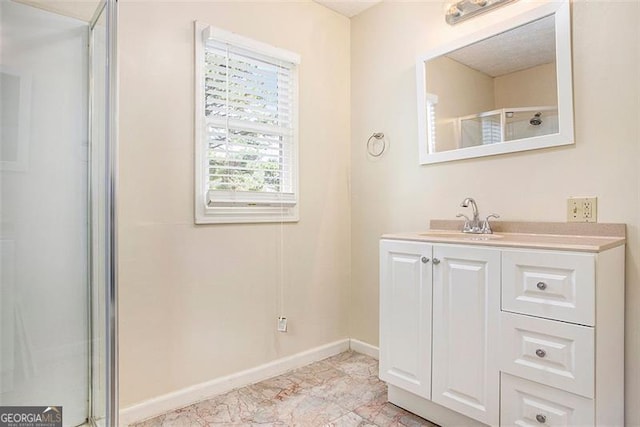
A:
43,213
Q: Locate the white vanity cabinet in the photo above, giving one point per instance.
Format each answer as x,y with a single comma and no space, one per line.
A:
562,338
490,334
405,313
466,306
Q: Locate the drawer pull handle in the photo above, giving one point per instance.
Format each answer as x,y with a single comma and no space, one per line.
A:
541,285
541,418
436,261
541,353
425,259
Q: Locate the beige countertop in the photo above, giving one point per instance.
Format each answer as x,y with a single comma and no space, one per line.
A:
591,237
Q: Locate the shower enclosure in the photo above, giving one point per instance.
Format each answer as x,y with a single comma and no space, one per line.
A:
57,208
507,124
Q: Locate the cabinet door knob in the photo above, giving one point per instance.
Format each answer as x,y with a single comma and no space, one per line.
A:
541,353
425,259
541,418
541,285
436,261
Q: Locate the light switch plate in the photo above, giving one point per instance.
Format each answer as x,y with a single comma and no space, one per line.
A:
582,209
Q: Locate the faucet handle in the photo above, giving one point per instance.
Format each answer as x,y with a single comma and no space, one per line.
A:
486,227
467,222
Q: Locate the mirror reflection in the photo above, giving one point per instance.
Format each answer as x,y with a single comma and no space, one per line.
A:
500,89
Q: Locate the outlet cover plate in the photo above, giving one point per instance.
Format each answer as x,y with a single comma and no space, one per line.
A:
582,209
282,324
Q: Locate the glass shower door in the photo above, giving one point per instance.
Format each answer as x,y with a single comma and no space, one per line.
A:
44,351
57,271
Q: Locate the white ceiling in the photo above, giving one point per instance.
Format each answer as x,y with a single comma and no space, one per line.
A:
518,49
348,8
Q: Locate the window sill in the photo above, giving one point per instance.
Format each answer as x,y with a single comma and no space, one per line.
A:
247,215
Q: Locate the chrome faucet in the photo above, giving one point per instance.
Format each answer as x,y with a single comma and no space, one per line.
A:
470,225
475,225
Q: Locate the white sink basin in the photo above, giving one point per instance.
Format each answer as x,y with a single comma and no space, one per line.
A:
444,234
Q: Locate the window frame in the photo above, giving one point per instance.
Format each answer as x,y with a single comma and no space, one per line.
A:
259,208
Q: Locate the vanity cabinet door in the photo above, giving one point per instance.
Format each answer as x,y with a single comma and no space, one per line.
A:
405,315
466,304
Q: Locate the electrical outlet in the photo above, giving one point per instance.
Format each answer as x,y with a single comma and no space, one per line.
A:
282,324
582,209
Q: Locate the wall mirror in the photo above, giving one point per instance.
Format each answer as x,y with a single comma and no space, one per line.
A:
506,88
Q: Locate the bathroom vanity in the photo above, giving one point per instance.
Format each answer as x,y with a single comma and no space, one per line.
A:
521,327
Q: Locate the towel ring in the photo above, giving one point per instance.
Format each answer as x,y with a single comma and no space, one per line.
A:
377,136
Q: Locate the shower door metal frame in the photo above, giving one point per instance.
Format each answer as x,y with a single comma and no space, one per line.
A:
110,9
112,186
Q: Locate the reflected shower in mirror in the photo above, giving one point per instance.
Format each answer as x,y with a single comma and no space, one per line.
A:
500,89
509,90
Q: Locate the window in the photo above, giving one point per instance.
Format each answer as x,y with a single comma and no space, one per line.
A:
432,101
246,129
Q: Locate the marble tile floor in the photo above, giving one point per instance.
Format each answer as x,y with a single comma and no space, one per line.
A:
341,391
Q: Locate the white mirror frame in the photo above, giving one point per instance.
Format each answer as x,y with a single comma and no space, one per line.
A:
561,10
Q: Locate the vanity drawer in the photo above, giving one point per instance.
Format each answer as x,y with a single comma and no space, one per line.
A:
553,285
527,403
554,353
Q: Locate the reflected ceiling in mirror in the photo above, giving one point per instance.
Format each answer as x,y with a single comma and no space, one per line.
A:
502,92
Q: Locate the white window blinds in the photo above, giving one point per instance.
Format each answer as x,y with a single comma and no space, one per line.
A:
432,101
249,125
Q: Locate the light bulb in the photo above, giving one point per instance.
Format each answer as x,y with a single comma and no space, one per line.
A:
451,8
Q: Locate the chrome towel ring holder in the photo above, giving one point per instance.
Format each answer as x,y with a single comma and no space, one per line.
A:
371,144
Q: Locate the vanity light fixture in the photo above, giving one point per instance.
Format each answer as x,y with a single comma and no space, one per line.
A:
465,9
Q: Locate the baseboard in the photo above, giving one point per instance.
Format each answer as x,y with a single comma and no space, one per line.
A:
209,389
364,348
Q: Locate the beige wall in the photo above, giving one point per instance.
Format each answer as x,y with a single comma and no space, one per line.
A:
394,193
199,302
533,87
461,91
